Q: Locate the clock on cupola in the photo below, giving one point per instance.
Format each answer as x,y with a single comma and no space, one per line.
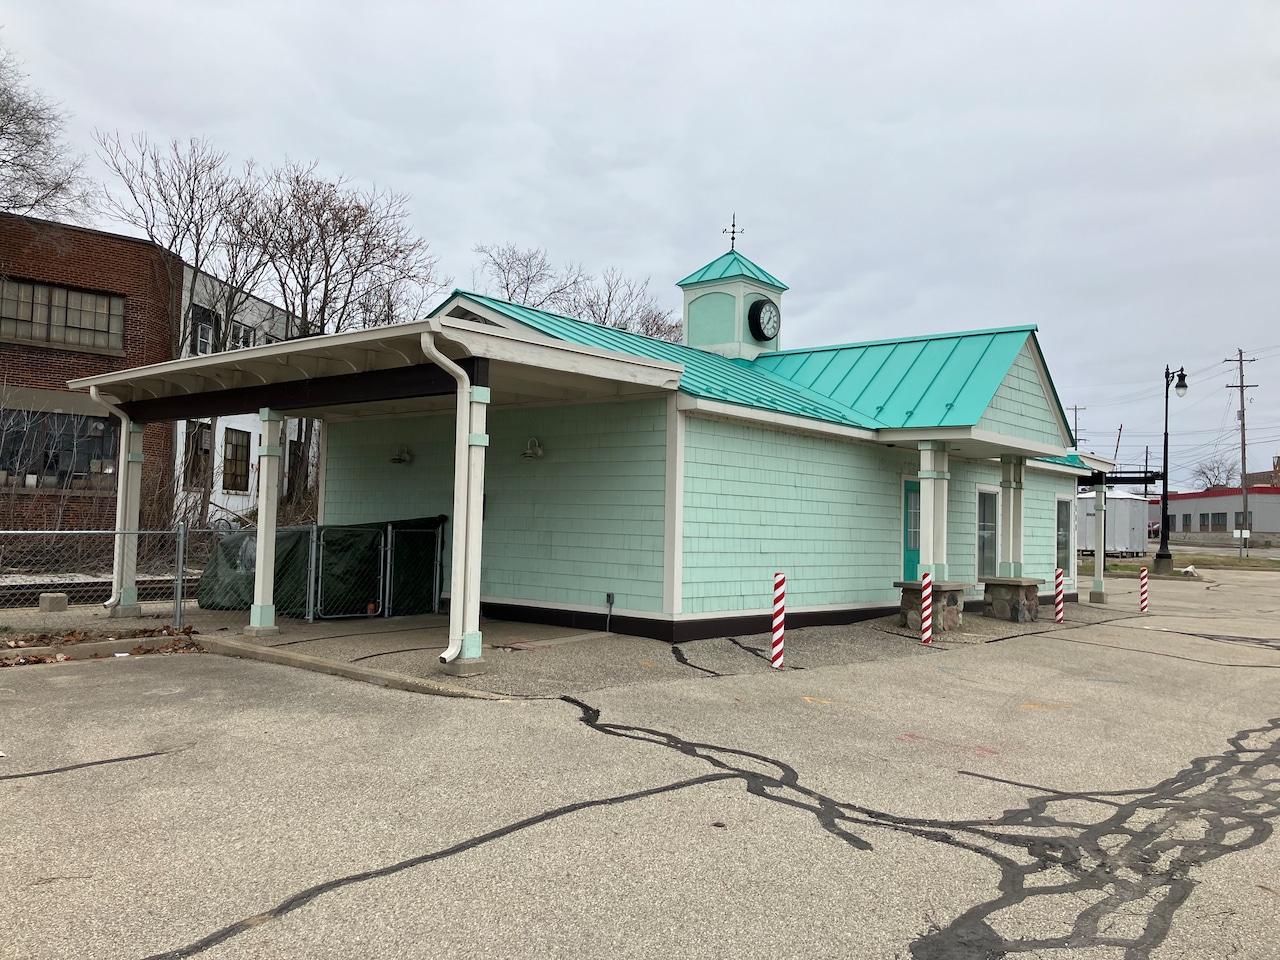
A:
732,307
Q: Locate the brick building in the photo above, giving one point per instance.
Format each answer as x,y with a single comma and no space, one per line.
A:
76,302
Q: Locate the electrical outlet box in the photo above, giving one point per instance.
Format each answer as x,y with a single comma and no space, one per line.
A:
608,598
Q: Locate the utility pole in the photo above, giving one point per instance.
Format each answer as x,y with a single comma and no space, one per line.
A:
1240,360
1146,470
1075,423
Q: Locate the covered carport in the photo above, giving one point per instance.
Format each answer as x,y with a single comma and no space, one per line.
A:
429,366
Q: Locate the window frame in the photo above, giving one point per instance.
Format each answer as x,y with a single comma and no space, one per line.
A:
34,312
1068,571
980,491
235,459
195,469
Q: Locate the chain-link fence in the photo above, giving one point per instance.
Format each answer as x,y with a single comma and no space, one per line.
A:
320,571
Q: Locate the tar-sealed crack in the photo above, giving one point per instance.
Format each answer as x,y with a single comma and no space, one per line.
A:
94,763
1134,864
684,661
756,652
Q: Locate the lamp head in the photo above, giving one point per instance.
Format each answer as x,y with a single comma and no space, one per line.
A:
1180,388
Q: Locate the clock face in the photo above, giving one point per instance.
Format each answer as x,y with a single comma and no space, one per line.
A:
764,319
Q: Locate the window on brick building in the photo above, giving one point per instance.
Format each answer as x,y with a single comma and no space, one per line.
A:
40,313
1218,522
197,455
69,451
235,460
1186,523
1204,523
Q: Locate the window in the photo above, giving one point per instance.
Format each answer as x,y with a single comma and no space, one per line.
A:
1064,526
1186,523
988,512
1240,524
1218,523
235,460
204,330
241,337
198,455
69,451
1204,523
60,316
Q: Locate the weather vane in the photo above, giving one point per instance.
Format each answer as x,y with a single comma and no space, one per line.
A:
733,231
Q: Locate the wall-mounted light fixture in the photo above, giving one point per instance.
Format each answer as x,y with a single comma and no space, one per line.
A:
402,456
531,450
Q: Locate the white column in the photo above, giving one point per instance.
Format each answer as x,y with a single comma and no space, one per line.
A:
934,484
129,490
477,445
262,615
1011,510
673,530
1099,592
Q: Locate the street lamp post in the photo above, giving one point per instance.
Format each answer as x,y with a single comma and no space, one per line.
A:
1164,559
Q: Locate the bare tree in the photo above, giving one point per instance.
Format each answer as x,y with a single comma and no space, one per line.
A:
341,257
184,198
179,195
527,277
1217,471
626,304
40,174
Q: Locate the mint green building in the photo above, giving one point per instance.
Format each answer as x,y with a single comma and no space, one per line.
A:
596,476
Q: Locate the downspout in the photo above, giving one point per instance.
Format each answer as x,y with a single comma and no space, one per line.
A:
117,561
462,428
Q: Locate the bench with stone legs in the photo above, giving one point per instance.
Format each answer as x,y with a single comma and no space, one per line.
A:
1016,599
948,604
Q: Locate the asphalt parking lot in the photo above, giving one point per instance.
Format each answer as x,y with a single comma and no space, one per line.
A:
1108,789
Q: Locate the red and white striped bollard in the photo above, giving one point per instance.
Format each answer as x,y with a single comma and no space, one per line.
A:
1058,596
779,618
1142,590
926,608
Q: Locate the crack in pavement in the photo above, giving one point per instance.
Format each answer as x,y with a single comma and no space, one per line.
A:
756,652
1135,862
96,763
684,661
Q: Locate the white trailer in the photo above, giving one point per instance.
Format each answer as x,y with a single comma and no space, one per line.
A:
1126,523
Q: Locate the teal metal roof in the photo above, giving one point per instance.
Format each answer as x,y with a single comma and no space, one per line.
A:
732,264
942,381
1070,460
706,375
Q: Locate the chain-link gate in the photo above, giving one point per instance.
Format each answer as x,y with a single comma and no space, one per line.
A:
325,572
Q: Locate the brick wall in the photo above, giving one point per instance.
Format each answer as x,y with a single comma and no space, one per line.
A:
43,252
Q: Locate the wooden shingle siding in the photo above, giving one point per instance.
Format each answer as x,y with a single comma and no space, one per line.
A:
583,521
827,513
1020,407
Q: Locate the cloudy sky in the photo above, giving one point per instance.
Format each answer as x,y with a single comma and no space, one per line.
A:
1108,171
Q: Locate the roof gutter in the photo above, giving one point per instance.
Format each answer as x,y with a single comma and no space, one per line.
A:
122,507
457,563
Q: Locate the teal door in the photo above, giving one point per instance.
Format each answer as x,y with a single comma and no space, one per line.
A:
911,530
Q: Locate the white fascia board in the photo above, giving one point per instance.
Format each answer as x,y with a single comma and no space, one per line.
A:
1061,468
397,338
1018,445
516,346
1097,463
715,409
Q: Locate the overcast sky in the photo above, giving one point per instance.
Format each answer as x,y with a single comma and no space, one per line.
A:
1107,171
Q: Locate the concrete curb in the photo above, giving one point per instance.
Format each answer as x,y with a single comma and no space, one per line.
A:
226,647
86,651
